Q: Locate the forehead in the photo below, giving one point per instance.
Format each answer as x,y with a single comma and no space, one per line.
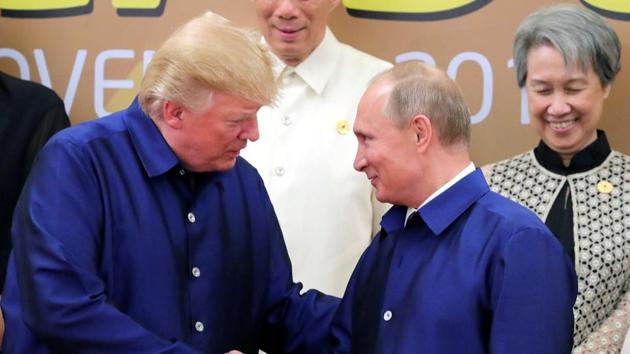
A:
371,111
548,61
232,101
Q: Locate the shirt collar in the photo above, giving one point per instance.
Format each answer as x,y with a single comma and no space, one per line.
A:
154,153
445,208
463,173
586,159
311,70
394,219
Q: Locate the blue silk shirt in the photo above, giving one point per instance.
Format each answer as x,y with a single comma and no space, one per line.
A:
472,272
116,252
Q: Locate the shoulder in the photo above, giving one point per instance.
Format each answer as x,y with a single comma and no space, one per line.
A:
86,133
506,228
24,93
516,160
361,62
621,156
507,217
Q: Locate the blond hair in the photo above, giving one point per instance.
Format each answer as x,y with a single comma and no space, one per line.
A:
205,55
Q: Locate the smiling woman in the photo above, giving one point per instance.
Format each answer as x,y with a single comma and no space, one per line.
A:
566,58
565,101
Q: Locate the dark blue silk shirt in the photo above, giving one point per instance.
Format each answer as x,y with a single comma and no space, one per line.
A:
116,252
472,273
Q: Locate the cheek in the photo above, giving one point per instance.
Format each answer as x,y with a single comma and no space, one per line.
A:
590,104
264,14
536,106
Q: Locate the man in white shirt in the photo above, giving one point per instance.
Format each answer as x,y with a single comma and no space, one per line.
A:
326,209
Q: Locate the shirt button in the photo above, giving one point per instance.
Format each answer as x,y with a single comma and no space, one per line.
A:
286,120
279,171
387,315
199,326
182,172
191,218
196,272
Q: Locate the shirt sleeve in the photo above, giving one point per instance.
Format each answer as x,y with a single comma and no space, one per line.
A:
609,336
341,328
533,290
295,322
57,245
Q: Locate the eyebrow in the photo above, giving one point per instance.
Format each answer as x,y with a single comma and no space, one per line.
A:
243,116
580,80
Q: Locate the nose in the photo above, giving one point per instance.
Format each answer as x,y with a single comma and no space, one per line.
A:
286,9
359,160
250,130
559,106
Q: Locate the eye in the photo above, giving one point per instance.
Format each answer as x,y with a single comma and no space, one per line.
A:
573,90
543,91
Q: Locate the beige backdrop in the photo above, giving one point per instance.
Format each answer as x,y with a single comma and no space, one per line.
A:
94,60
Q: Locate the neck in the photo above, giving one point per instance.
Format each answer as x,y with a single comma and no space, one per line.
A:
291,61
440,167
566,159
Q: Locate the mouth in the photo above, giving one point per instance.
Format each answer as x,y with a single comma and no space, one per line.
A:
562,126
288,32
234,153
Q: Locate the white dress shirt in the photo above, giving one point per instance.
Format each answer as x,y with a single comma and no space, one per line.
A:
305,155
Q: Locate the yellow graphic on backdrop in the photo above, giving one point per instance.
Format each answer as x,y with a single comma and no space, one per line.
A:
413,10
30,5
136,4
617,9
64,8
120,98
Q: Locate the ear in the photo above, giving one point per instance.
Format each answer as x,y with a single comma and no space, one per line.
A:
423,130
172,114
607,90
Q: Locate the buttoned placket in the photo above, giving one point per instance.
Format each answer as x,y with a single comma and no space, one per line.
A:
390,301
291,86
191,220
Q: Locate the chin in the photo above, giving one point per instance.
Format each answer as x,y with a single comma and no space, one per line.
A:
228,165
562,145
381,197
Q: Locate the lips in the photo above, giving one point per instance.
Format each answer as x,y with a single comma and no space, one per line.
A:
288,33
288,30
562,126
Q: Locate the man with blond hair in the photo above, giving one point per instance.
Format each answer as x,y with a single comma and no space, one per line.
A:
145,232
456,268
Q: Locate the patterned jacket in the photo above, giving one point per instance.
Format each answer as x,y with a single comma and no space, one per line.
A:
601,223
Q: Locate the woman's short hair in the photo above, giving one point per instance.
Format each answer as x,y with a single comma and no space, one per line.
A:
581,36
